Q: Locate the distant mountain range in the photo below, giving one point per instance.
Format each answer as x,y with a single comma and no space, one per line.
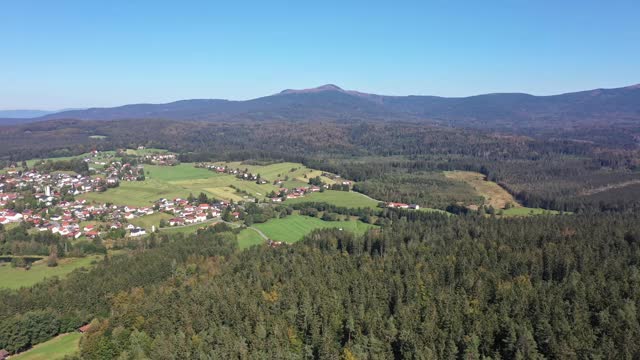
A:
24,114
330,102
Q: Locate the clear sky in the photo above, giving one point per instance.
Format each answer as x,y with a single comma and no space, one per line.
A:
60,54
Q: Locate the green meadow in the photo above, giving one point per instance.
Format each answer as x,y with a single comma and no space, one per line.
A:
54,349
249,237
15,278
525,211
294,227
148,220
349,199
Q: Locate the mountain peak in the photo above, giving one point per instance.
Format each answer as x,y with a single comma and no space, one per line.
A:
327,87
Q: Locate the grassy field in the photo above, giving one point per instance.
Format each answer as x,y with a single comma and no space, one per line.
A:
525,211
492,193
15,278
338,198
249,237
147,221
137,193
56,348
147,151
179,172
189,229
294,227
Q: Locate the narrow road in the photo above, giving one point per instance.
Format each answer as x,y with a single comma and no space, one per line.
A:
265,237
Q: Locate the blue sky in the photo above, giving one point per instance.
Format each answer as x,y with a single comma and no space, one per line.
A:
59,54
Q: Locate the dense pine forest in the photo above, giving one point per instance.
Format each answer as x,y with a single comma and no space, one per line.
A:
427,286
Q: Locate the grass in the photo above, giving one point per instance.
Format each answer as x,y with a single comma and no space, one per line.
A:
248,238
338,198
137,193
294,227
147,221
15,278
525,211
185,171
56,348
493,194
189,229
224,192
147,151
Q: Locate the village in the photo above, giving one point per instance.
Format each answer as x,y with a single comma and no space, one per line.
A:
46,200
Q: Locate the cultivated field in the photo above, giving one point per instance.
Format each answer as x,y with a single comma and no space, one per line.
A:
294,227
493,194
15,278
54,349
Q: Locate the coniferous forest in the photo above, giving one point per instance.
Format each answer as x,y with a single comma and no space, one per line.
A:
429,286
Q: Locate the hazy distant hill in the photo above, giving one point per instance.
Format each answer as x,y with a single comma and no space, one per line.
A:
330,102
23,114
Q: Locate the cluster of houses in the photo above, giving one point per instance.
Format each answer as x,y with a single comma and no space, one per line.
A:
48,186
295,193
185,213
67,221
240,174
161,159
396,205
117,171
53,213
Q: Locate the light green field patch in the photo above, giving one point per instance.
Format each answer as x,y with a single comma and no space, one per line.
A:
147,221
525,211
225,193
248,238
15,278
146,151
294,227
178,172
349,199
137,193
56,348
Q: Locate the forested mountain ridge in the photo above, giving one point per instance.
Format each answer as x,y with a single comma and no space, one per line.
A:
329,102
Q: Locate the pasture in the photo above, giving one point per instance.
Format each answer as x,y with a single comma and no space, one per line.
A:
15,278
54,349
189,229
147,221
248,238
294,227
349,199
525,211
147,151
